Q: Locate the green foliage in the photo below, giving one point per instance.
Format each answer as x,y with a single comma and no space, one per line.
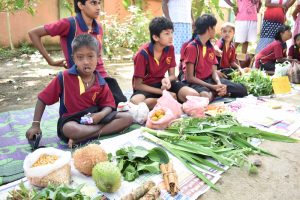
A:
134,161
129,34
256,82
138,3
25,48
203,6
14,5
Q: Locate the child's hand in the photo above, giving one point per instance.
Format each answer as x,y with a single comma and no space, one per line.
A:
97,117
221,89
59,63
220,74
165,84
33,130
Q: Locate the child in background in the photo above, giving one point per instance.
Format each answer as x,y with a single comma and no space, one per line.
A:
80,90
225,48
87,11
275,51
200,61
294,50
151,63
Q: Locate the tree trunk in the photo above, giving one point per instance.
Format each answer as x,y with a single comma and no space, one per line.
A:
9,31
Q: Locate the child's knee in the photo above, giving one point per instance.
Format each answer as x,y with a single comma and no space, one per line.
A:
69,129
208,95
136,99
125,117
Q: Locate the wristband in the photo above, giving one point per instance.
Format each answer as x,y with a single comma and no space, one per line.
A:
35,121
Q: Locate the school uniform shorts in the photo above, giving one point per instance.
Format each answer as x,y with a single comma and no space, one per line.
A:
77,116
175,87
233,89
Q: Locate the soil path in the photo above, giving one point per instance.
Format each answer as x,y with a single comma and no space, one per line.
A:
21,79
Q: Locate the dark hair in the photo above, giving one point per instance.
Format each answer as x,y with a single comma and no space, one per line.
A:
280,30
295,37
85,40
77,9
157,25
204,22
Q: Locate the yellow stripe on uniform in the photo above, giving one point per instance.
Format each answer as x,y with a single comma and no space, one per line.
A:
81,85
203,51
157,61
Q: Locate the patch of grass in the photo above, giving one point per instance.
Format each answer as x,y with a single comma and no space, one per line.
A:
24,48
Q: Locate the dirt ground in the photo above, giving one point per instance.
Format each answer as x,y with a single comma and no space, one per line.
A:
278,178
21,79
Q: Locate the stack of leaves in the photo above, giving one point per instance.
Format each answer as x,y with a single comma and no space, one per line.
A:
256,82
50,192
193,140
134,161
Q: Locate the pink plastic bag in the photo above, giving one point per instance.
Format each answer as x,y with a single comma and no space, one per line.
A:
163,122
195,106
167,101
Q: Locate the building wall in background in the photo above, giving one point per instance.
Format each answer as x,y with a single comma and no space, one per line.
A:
48,11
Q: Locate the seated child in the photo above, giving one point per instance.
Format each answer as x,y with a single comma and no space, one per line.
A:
151,63
294,50
274,52
225,48
200,64
84,22
80,90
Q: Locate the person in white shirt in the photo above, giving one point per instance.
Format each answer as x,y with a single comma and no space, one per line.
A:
180,13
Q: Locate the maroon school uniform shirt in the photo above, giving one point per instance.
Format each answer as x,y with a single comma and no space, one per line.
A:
76,98
206,60
62,27
294,52
149,69
228,55
275,50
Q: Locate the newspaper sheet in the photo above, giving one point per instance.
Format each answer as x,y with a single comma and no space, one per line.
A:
191,187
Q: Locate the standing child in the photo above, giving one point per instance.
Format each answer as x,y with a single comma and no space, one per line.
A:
87,11
275,51
200,60
225,47
294,50
80,90
151,63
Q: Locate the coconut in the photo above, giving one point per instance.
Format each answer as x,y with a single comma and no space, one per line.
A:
87,157
107,177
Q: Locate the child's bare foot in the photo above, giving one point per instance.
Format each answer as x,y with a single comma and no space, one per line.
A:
70,143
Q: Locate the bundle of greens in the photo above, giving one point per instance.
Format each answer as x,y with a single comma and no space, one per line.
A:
193,140
50,192
134,161
256,82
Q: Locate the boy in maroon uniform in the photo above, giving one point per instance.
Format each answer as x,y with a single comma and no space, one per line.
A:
87,11
80,90
151,63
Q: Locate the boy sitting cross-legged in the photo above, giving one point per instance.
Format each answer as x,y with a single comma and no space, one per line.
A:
80,90
151,63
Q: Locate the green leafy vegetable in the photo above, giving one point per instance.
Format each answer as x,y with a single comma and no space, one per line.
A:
134,161
221,138
256,82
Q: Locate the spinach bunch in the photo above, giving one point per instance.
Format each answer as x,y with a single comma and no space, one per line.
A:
134,161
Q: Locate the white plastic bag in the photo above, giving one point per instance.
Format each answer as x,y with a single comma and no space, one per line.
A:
138,112
64,157
281,69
